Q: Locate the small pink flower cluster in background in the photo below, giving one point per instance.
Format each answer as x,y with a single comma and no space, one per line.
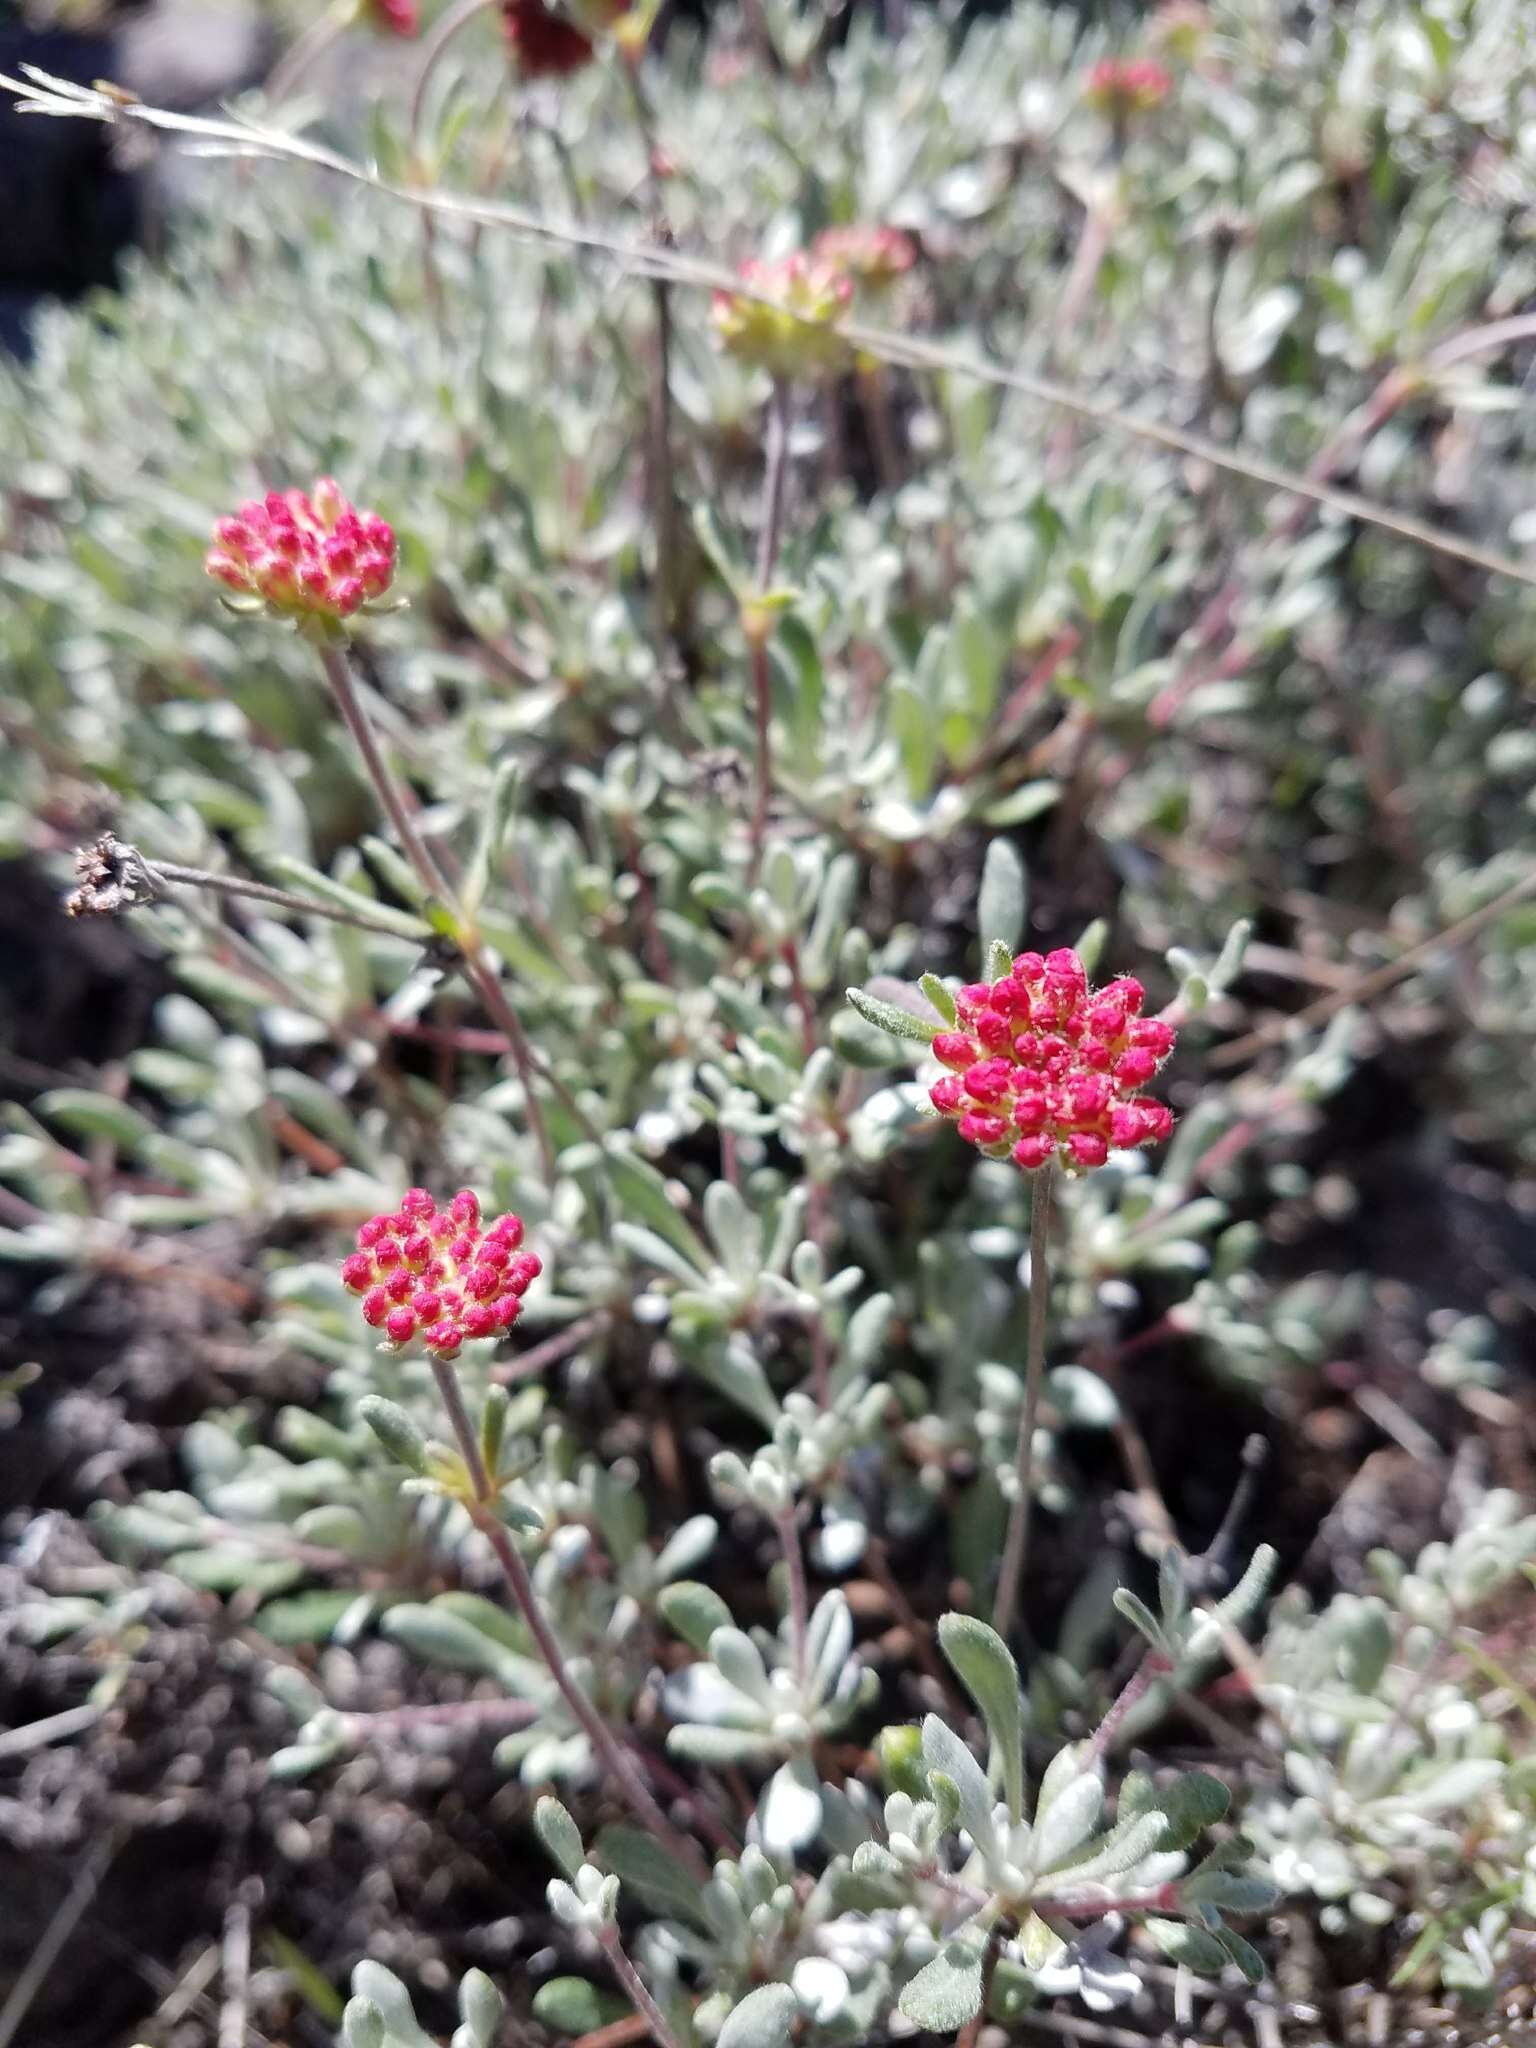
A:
1044,1066
545,43
875,257
303,555
394,17
790,326
1123,86
434,1273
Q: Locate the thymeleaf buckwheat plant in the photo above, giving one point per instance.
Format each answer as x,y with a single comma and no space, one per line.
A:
653,1401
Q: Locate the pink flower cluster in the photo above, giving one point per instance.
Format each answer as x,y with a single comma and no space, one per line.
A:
874,256
790,325
1121,86
304,555
434,1273
1046,1067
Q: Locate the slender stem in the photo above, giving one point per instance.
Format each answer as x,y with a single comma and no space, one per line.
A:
799,1592
775,472
1016,1546
663,489
634,1984
429,872
437,42
263,892
301,57
1152,1666
604,1743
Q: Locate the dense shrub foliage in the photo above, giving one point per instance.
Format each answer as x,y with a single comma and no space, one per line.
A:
762,645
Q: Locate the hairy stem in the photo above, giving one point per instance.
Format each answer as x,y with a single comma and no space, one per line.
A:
429,872
634,1984
663,488
1152,1666
263,892
605,1744
1016,1545
775,473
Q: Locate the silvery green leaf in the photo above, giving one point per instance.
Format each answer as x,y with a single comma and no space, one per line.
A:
740,1663
888,1017
571,2006
1191,1946
1190,1804
1140,1616
866,1332
1229,961
1039,1943
1127,1843
940,998
985,1666
395,1431
1229,1891
723,1745
648,1868
947,1992
1243,1953
762,2020
383,1989
944,1752
688,1545
732,1228
1071,1819
480,2008
821,1988
694,1610
362,2024
1001,900
641,1191
829,1643
559,1834
789,1810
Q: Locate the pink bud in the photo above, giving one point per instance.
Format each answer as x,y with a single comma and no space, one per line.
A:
370,1232
1087,1148
417,1249
375,1306
523,1271
988,1080
508,1309
948,1095
979,1127
400,1284
954,1049
465,1208
357,1273
1152,1035
1033,1151
1030,1111
1029,967
428,1306
386,1254
444,1338
480,1320
1135,1067
509,1229
400,1325
416,1202
993,1030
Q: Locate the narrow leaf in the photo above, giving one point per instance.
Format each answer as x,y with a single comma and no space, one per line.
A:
985,1666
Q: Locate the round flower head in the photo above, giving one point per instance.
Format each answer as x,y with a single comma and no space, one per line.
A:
304,555
1042,1066
393,17
789,326
874,257
437,1274
1123,86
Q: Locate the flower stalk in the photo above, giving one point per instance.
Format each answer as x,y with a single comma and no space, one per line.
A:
1016,1543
